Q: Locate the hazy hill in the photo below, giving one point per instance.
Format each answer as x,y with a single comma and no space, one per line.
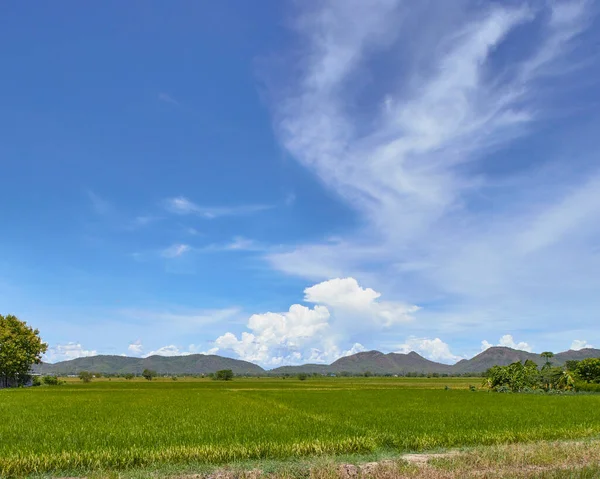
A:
192,364
395,363
495,356
372,361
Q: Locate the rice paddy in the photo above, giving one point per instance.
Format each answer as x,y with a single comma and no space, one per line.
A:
118,424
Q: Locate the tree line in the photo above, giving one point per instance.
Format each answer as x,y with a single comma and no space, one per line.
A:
581,376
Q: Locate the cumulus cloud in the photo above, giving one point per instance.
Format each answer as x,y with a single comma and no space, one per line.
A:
578,344
416,154
65,352
136,348
303,334
434,349
507,341
170,350
345,295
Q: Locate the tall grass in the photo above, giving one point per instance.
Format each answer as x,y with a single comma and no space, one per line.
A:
119,425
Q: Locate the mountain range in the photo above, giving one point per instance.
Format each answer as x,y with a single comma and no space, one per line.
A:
371,361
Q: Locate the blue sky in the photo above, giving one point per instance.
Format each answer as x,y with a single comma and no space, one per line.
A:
294,181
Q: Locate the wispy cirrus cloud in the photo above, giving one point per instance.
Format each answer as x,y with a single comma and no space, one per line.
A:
418,154
100,205
183,206
176,250
166,98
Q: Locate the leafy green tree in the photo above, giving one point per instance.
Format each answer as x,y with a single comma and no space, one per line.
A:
51,380
547,355
302,376
86,376
571,365
588,370
129,376
515,377
20,348
149,374
224,375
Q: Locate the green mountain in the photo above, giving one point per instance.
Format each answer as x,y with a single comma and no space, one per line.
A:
395,363
372,361
192,364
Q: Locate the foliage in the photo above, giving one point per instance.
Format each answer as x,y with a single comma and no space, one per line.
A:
149,374
20,348
547,355
302,376
571,365
223,375
79,428
582,386
129,376
86,376
588,370
519,377
51,381
36,381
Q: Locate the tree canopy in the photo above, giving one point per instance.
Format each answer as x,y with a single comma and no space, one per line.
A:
149,374
224,375
20,348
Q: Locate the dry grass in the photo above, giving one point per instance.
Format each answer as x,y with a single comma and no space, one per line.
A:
542,460
548,460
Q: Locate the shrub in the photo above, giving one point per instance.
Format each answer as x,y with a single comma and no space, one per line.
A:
36,381
588,370
472,388
302,376
149,374
51,380
129,376
86,376
587,387
223,375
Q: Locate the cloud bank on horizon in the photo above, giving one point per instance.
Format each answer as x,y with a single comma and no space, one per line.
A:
439,190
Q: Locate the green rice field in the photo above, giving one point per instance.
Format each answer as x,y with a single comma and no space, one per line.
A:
123,424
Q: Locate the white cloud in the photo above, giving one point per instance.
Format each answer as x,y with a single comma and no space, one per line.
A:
344,294
176,250
170,350
507,341
420,170
136,348
302,334
182,206
580,344
433,349
65,352
356,348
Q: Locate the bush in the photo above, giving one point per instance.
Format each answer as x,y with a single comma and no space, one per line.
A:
472,388
587,387
302,376
129,376
588,370
36,381
149,374
51,380
223,375
86,376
